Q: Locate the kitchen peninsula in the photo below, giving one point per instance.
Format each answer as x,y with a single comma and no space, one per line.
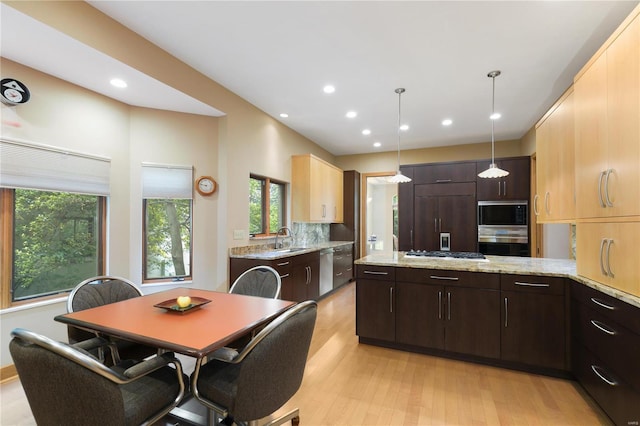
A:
530,314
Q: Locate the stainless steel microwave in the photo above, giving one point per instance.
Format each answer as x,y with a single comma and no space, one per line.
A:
503,213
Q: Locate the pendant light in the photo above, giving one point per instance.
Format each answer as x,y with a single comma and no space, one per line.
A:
399,177
493,171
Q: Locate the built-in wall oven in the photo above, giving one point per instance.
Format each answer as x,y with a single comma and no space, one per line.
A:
503,228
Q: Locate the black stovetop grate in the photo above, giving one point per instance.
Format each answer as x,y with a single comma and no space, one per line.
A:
454,254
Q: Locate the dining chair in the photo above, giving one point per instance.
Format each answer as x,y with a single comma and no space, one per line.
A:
261,281
66,385
98,291
264,375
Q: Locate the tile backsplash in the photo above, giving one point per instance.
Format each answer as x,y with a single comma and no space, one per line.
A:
308,234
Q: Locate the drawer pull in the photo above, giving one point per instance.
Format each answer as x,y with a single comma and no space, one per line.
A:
530,284
604,305
338,274
610,382
436,277
600,326
283,264
443,180
284,276
375,273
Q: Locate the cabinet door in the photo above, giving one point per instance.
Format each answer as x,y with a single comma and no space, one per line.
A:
514,186
406,229
590,94
425,226
457,216
533,329
606,254
472,321
375,311
623,122
419,315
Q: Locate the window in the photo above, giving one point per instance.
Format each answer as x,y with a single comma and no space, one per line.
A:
267,205
52,222
167,211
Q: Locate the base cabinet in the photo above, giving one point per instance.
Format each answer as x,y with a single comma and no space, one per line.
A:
299,275
342,265
375,314
533,321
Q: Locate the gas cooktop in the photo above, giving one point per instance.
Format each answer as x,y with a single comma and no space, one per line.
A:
465,255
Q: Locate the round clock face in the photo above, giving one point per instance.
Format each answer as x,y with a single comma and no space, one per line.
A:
206,185
14,92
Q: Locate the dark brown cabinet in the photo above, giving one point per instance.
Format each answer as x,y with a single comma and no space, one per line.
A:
349,230
299,275
375,314
461,171
605,351
514,186
445,208
533,321
342,265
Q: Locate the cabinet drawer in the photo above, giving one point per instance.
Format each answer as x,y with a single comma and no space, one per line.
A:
372,272
532,284
609,341
614,309
613,394
449,278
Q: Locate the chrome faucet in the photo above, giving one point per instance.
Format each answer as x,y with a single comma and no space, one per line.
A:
284,228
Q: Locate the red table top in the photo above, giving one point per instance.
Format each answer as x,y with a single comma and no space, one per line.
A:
196,332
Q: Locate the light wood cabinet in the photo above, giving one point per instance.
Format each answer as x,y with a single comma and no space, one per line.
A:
608,253
607,100
316,190
554,200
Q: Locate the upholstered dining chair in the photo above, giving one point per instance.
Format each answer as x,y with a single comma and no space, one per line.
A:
98,291
65,385
264,375
261,281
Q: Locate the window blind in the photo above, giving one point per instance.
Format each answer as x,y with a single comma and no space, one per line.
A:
32,166
167,181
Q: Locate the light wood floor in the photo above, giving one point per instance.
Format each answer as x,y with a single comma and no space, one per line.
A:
347,383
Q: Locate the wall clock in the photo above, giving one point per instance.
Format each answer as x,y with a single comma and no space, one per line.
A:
205,185
14,92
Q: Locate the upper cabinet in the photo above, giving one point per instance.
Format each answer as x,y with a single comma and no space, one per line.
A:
607,114
555,184
316,190
514,186
445,172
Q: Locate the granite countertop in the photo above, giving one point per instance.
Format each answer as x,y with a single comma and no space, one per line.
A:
499,264
269,253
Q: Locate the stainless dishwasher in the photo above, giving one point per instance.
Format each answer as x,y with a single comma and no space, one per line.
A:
326,270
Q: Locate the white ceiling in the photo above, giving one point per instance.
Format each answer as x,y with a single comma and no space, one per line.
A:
279,55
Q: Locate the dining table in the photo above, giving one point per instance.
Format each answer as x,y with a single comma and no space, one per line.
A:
211,321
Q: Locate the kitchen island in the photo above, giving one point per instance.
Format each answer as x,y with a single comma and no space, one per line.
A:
529,314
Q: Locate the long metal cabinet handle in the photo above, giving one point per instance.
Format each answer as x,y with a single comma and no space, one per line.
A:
443,180
436,277
411,233
506,312
600,326
449,306
546,202
391,299
499,189
602,269
435,224
531,284
610,382
504,189
375,272
609,271
601,303
606,188
535,205
602,204
308,268
439,305
440,224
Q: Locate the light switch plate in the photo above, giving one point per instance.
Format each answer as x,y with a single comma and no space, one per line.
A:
238,234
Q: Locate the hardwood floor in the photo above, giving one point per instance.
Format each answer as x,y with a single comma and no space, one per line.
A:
347,383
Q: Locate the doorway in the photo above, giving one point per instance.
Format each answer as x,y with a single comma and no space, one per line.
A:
379,214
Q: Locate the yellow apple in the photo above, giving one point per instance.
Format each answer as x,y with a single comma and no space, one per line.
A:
183,301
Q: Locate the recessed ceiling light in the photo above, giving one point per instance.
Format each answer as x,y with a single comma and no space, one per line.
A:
328,89
495,116
366,132
377,144
284,115
352,114
404,127
118,82
447,122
